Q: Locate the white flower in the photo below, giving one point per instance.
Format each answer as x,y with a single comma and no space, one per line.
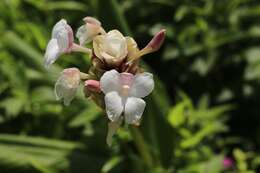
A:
67,85
123,93
61,42
87,32
111,47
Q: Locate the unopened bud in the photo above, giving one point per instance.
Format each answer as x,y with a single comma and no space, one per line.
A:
152,46
157,40
93,85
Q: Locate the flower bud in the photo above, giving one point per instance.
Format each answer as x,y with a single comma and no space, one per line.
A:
152,46
93,85
157,41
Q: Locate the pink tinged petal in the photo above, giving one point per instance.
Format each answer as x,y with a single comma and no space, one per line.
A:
114,105
134,108
93,85
112,128
143,85
110,81
92,20
67,85
87,32
126,81
71,38
52,53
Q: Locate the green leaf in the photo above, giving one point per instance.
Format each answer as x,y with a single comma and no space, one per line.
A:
110,164
44,155
13,106
209,130
177,114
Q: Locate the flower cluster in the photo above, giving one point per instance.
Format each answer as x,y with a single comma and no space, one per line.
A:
114,81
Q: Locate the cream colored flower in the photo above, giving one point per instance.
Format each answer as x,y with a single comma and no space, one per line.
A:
111,47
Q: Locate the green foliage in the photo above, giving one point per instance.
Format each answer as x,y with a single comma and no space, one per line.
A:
211,54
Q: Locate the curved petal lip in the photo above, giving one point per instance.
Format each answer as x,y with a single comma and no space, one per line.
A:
143,85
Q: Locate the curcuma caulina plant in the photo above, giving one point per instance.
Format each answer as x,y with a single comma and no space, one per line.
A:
115,82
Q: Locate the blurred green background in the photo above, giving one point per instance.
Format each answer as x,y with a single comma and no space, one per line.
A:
204,109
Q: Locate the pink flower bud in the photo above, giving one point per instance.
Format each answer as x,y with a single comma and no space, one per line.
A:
152,46
157,40
93,85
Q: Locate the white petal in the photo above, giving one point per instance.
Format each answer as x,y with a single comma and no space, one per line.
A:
143,85
63,92
114,105
61,33
52,53
63,41
61,25
110,81
134,108
81,35
112,128
67,85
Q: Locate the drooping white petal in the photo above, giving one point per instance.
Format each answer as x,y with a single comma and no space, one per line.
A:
110,81
134,108
112,128
62,92
67,85
114,105
143,85
52,53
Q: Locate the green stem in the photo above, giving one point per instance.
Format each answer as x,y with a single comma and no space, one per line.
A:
142,146
84,76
